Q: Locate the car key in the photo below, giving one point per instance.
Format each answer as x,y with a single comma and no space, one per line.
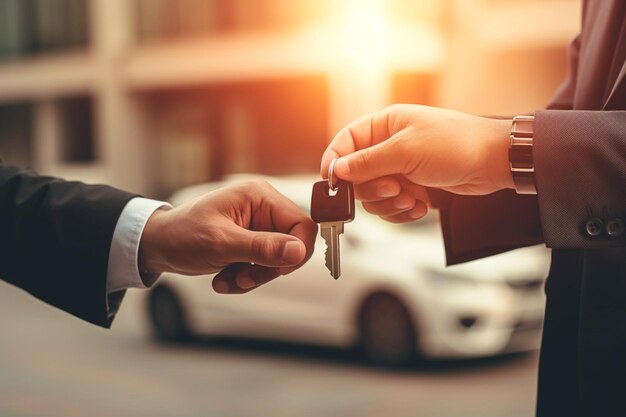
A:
331,208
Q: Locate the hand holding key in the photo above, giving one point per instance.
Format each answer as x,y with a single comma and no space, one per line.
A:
249,233
332,205
392,155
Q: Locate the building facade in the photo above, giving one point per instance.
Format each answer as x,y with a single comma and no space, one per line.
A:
153,95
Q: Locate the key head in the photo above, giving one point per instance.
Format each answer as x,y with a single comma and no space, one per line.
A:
330,206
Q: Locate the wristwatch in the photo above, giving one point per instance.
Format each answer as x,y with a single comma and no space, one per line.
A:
521,155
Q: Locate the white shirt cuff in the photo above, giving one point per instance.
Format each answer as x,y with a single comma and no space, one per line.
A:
123,270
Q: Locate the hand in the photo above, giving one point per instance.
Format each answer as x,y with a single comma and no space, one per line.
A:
392,155
249,233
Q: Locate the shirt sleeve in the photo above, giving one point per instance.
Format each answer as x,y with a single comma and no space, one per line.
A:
123,269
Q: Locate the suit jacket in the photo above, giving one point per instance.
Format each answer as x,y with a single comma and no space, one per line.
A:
55,238
580,172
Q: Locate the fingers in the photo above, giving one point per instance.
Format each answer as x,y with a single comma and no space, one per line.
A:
278,238
391,206
410,204
265,257
417,212
287,217
265,248
241,278
377,189
419,192
306,232
275,212
390,157
273,221
360,134
387,187
372,146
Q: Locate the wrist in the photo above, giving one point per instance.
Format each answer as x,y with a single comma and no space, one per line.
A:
499,165
152,255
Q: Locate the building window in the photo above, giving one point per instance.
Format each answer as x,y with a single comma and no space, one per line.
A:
16,135
33,26
174,19
77,129
271,127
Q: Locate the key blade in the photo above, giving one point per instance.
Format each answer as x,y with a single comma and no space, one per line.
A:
327,234
330,232
332,262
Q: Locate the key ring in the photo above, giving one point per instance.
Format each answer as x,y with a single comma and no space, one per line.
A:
331,183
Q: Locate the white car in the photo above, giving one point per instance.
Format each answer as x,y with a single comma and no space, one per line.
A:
395,299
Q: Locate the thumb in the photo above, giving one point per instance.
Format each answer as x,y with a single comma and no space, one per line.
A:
370,163
267,249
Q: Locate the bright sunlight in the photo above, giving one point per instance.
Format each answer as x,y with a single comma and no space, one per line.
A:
366,33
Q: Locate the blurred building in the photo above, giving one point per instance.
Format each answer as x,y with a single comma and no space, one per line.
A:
152,95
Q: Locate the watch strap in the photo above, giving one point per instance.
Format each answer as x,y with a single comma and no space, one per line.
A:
521,154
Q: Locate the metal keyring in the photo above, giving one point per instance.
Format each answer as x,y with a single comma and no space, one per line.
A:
331,182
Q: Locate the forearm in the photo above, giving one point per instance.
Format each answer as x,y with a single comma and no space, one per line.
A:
55,237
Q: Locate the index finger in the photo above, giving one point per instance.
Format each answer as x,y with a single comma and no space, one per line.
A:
287,217
362,133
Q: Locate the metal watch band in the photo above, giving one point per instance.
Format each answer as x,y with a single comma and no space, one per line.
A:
521,155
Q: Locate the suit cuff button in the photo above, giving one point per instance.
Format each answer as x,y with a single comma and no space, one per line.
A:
594,227
615,227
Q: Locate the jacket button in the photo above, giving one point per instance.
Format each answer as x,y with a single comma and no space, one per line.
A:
594,227
615,227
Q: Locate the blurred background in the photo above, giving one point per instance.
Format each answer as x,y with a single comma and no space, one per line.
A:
156,95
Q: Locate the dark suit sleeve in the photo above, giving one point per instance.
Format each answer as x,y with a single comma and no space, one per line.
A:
55,238
580,172
478,226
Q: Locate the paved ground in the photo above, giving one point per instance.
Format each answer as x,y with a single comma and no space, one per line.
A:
54,365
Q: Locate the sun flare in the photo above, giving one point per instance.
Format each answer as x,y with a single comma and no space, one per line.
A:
366,33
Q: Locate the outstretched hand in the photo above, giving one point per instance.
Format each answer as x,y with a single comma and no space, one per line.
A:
392,155
249,233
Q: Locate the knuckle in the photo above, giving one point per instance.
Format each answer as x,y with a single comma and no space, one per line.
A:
394,108
256,184
257,187
345,132
362,160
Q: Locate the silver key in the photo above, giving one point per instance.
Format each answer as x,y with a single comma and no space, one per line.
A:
331,208
330,232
